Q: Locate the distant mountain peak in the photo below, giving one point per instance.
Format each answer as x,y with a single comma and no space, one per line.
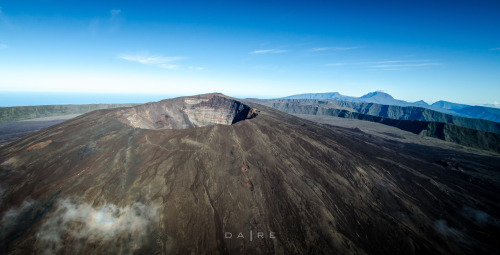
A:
378,94
441,104
327,95
421,103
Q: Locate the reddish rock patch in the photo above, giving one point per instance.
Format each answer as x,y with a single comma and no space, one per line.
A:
253,113
39,145
249,185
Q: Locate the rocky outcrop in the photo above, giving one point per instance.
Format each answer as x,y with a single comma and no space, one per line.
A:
187,112
39,145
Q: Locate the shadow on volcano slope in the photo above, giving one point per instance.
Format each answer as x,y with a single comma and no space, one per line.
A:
129,181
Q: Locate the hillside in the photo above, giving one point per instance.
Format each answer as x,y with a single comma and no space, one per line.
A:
481,112
31,112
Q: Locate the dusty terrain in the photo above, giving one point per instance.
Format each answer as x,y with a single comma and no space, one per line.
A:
102,183
14,130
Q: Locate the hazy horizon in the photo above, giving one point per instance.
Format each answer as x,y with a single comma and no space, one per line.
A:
14,98
416,50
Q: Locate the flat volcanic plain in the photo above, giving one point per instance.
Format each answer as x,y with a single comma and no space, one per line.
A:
212,174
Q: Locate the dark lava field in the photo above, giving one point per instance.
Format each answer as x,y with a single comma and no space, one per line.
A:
211,174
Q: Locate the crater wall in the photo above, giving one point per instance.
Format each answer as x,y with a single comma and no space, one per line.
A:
187,112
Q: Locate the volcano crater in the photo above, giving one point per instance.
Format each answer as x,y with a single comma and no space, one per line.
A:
187,112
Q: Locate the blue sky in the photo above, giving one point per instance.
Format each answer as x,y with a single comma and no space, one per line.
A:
413,50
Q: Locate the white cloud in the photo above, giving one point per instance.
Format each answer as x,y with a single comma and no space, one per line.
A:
160,61
111,23
114,20
319,49
337,64
406,65
197,68
115,12
345,48
333,48
390,65
10,216
273,51
150,59
495,49
3,46
115,17
15,217
495,104
387,61
3,18
155,60
171,67
77,224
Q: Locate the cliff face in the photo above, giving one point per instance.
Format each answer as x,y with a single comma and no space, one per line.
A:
273,184
444,131
188,112
392,112
463,136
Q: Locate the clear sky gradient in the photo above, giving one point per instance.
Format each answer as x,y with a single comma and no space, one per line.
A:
413,50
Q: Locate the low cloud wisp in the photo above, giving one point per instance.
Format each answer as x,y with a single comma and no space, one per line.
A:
268,51
390,65
159,61
76,224
333,48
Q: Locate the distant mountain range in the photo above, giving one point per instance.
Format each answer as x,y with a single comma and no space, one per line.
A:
378,97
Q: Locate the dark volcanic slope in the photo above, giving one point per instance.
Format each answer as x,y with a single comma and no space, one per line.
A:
11,131
96,184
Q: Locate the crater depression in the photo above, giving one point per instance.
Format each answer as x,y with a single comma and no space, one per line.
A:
187,112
